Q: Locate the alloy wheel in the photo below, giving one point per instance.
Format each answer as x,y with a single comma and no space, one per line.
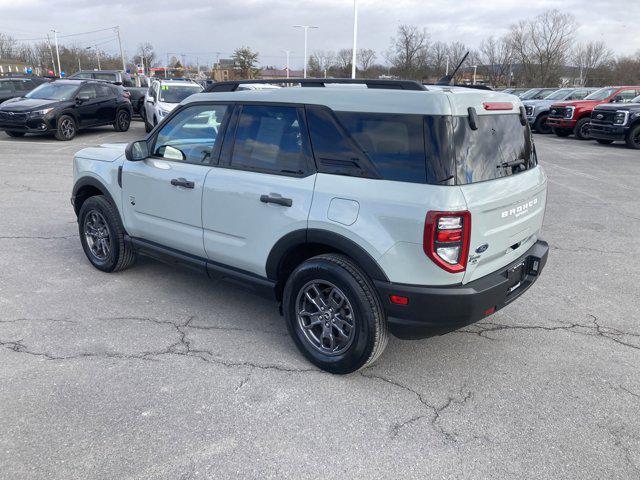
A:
68,128
325,317
97,236
123,120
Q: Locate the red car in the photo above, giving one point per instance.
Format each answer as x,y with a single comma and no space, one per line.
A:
573,117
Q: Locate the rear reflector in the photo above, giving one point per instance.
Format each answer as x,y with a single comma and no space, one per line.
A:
497,105
489,311
399,300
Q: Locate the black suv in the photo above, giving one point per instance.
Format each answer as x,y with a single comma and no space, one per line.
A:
136,94
611,122
65,106
11,87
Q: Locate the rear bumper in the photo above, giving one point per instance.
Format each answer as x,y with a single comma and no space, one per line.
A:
560,123
437,310
606,132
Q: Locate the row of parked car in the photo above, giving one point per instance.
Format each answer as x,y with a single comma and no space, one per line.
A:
606,114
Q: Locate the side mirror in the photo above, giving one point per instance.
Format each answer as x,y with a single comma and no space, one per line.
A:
137,151
150,99
616,99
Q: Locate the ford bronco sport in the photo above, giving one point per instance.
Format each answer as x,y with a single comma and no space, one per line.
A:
574,117
389,207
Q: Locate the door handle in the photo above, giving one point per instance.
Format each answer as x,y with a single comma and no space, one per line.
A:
182,182
285,202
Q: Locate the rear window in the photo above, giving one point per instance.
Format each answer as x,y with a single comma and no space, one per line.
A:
500,147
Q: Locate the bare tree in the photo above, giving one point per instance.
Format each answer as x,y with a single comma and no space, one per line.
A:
147,53
496,56
343,62
542,45
7,46
438,58
590,56
365,58
408,52
322,60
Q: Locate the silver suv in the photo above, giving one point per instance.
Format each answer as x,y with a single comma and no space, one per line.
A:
383,206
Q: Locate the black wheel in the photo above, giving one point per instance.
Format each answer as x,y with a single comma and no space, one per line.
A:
122,122
67,128
562,132
14,134
334,315
141,111
603,141
102,235
633,138
581,130
540,124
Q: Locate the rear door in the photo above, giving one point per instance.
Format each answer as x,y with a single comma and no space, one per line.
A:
504,189
106,103
162,195
262,188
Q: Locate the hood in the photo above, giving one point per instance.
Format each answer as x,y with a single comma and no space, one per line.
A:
538,103
22,104
618,106
578,103
107,152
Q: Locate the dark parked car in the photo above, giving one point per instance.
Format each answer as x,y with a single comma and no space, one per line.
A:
11,87
617,122
65,106
136,94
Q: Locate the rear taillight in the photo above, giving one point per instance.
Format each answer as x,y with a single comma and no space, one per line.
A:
446,239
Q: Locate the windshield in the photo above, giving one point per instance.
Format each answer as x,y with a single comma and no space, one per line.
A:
636,100
558,95
177,93
53,91
601,94
529,94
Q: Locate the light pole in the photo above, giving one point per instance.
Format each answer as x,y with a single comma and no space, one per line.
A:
355,37
287,53
306,29
55,38
97,55
124,66
475,69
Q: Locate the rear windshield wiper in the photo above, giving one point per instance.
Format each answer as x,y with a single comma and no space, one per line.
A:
513,163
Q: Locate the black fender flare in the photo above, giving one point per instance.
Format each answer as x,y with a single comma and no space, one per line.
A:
72,113
91,182
331,239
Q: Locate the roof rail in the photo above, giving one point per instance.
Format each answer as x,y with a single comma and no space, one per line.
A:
476,86
232,86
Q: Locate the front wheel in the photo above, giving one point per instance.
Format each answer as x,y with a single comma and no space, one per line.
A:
66,128
334,315
123,121
102,235
633,138
14,134
541,126
581,129
562,132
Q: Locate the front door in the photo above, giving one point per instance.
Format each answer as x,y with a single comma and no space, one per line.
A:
262,188
162,195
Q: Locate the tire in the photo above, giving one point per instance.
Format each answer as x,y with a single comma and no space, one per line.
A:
344,288
123,121
66,128
14,134
562,132
602,141
147,126
633,138
581,130
99,216
540,125
141,111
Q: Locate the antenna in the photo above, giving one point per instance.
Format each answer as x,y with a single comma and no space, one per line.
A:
448,79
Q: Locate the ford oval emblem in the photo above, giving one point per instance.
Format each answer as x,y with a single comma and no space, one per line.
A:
482,248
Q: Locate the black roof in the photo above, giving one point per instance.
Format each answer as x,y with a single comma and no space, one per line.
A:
232,86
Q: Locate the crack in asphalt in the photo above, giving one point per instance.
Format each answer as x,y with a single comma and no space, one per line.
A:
434,412
595,329
617,434
586,250
630,392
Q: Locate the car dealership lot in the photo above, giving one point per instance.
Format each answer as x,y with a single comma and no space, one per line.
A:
157,372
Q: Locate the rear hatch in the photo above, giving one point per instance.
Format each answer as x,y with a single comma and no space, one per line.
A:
497,172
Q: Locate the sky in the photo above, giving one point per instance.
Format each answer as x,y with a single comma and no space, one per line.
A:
206,29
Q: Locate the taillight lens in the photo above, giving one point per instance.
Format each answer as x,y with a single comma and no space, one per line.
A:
446,239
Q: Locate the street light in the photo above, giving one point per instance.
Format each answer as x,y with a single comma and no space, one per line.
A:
287,52
306,29
475,69
355,37
97,54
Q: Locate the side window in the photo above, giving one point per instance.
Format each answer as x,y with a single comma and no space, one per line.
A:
87,92
394,143
104,91
6,87
269,138
191,135
624,96
86,75
109,77
578,95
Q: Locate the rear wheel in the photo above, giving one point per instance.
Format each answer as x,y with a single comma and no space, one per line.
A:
14,134
604,141
102,235
540,124
123,121
334,315
581,129
633,138
562,132
66,129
